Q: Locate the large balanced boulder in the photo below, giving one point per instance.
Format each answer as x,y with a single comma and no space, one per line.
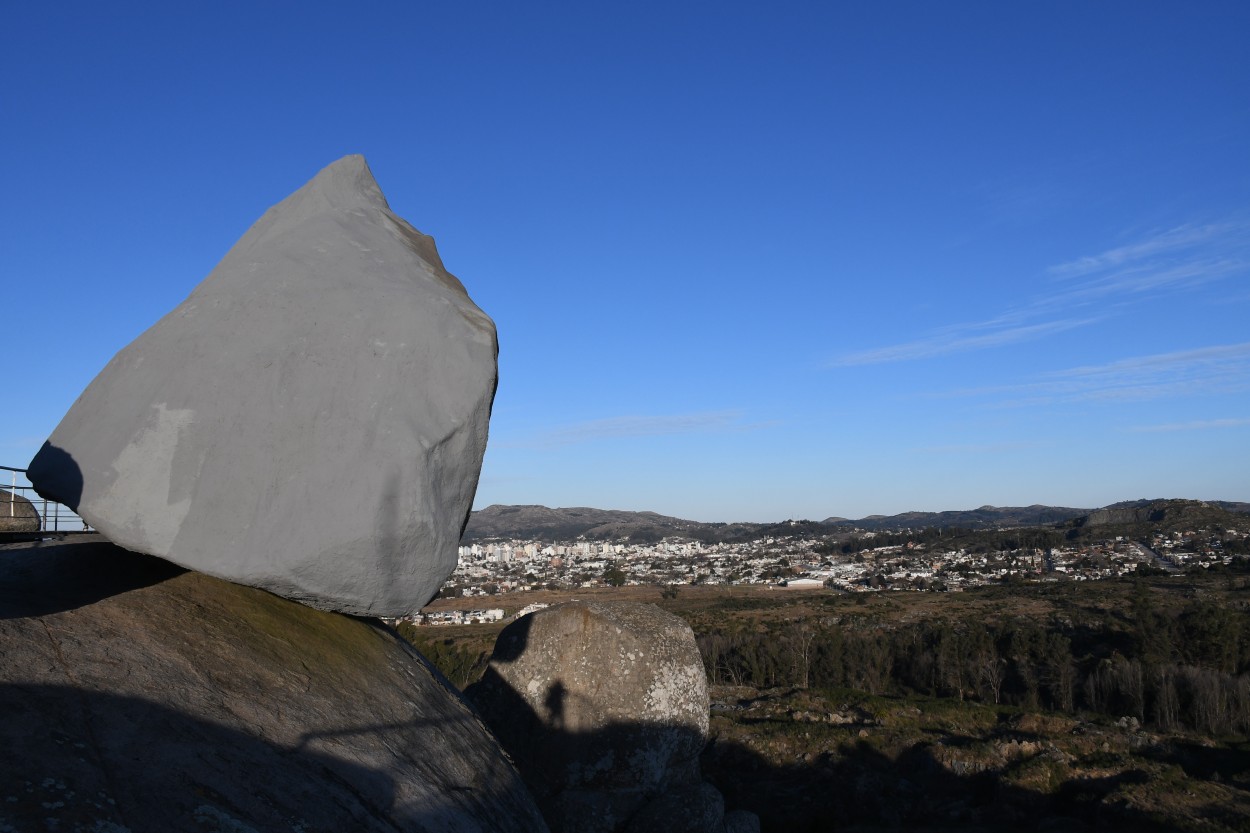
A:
311,420
604,707
140,697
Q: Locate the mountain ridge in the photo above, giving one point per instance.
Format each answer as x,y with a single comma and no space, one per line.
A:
545,523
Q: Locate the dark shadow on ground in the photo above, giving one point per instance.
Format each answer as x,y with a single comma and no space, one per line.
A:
1228,764
88,760
857,787
51,577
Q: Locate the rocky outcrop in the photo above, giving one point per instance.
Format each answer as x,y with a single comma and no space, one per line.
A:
604,707
140,697
310,421
17,514
1153,511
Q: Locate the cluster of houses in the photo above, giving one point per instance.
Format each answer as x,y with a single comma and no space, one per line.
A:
455,617
1195,548
464,617
487,569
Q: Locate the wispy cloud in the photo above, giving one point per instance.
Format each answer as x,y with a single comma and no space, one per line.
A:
1196,425
1140,283
645,426
960,339
1202,370
1109,282
1164,244
1221,368
1173,260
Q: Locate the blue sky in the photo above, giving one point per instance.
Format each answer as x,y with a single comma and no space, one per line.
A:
747,261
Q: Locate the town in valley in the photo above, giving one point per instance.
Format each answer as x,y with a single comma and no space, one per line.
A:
804,555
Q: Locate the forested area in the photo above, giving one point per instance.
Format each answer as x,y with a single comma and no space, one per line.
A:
460,664
1167,666
1138,653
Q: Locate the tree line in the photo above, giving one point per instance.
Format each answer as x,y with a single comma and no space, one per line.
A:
1167,668
950,538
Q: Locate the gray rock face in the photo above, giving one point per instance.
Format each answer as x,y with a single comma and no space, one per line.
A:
604,707
17,514
140,697
311,420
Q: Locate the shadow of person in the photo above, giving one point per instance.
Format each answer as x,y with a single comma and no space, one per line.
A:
553,702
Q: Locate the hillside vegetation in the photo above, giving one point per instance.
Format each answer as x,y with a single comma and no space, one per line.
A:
1115,705
1121,704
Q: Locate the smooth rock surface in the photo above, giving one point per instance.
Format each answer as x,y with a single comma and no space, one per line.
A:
311,420
140,697
603,705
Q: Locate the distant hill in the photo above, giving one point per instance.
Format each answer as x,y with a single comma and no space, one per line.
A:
985,517
1167,515
541,523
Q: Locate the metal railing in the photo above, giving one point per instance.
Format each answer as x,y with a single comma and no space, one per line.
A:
54,518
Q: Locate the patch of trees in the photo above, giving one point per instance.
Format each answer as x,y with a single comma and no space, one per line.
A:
614,576
1170,669
459,665
951,538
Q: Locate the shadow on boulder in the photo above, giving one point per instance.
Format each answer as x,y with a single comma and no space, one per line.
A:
603,707
54,577
88,759
55,475
137,696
